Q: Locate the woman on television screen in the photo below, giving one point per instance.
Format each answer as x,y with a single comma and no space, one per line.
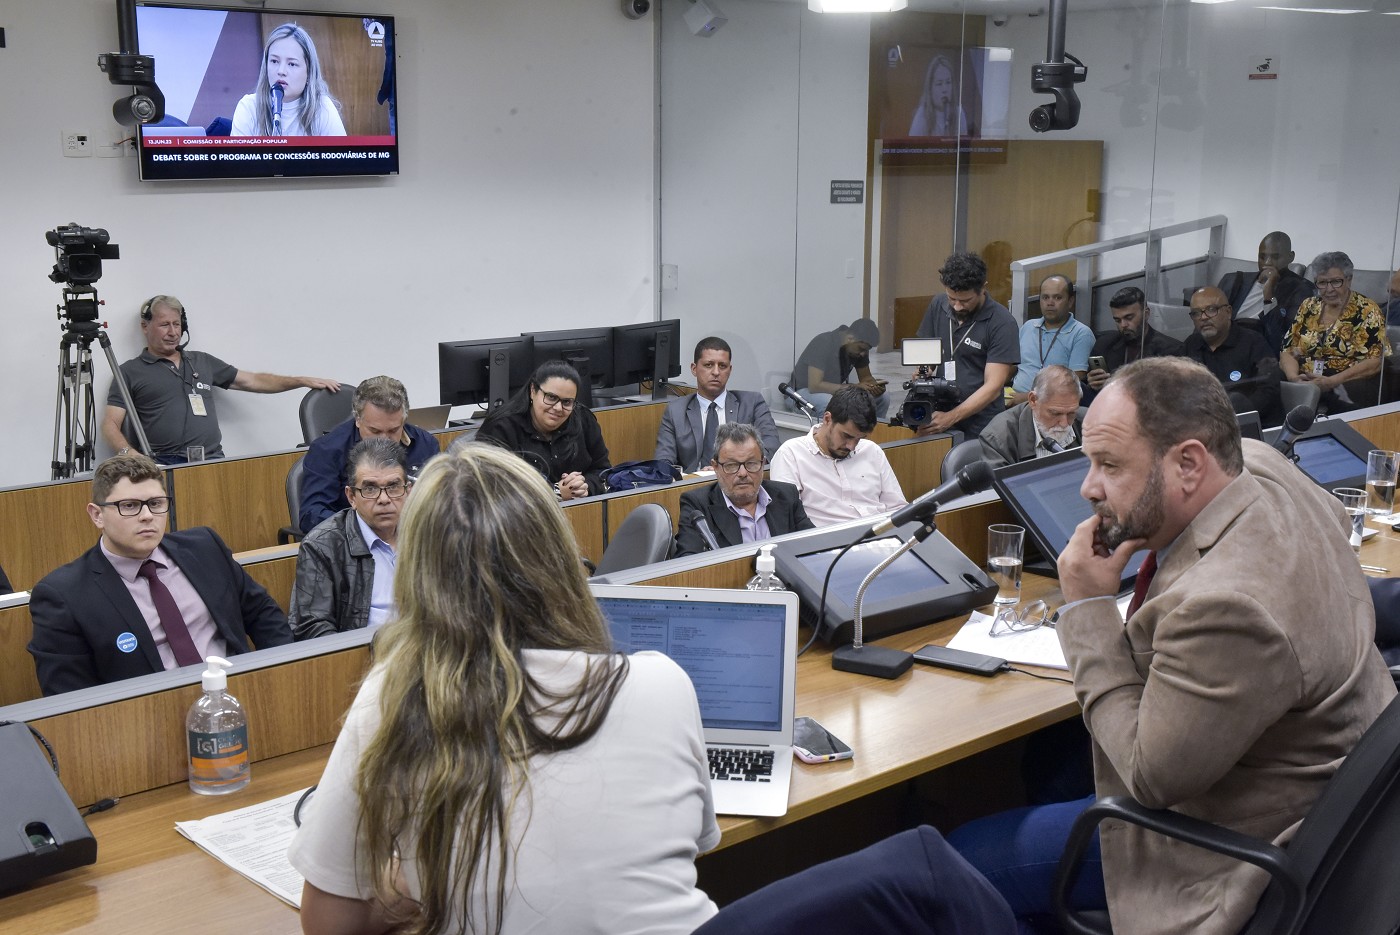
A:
940,111
291,97
545,424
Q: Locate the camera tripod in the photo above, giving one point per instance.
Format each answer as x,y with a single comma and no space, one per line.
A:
75,409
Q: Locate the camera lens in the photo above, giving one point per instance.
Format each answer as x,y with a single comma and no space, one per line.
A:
1042,118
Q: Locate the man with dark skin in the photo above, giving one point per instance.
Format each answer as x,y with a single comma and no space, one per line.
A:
1268,300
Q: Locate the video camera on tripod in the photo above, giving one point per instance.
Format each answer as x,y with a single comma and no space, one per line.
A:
79,252
928,393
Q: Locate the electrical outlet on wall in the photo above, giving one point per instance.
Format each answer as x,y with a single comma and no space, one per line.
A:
77,144
113,146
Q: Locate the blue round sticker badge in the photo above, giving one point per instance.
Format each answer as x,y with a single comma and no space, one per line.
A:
126,642
1235,376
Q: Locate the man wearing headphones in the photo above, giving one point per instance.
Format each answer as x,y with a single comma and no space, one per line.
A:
173,389
1056,337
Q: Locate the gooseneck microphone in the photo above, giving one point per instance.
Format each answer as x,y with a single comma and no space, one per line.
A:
797,400
1298,421
974,478
277,94
703,528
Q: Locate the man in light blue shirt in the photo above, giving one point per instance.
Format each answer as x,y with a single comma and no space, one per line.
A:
345,570
1056,337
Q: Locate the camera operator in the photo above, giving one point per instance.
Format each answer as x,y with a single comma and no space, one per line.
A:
980,346
173,389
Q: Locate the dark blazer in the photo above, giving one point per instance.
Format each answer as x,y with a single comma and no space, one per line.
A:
1289,292
323,469
80,609
682,429
785,514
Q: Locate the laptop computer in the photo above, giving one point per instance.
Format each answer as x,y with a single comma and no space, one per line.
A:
429,417
1044,495
740,650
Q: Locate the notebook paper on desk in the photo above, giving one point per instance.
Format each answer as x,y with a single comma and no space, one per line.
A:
740,650
1037,647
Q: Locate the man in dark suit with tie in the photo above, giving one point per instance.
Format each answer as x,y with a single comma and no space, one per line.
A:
689,424
1266,301
142,601
741,507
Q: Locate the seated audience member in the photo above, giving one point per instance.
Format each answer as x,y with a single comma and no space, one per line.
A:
173,389
1047,422
1268,300
689,424
345,568
379,409
1056,337
1238,357
502,769
979,342
142,600
1134,339
1221,697
827,362
740,506
546,425
1391,309
1338,340
839,473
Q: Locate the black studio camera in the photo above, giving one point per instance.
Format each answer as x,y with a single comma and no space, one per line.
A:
80,252
927,394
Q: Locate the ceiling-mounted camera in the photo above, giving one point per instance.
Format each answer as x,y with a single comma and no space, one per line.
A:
146,103
635,9
1057,75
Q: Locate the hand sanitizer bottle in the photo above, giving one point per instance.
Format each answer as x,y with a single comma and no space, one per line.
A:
765,580
218,736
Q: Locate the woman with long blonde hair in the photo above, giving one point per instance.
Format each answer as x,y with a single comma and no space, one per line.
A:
502,769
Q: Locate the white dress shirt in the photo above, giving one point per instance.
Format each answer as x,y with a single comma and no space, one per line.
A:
835,490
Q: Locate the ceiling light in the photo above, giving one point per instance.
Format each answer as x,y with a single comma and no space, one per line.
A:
1304,9
856,6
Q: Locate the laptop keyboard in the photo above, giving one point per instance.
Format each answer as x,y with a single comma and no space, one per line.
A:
740,764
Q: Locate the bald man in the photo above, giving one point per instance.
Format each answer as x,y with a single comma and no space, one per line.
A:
1268,299
1238,356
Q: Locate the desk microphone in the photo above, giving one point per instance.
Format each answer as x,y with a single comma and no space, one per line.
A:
704,529
974,478
1050,445
797,400
277,94
1298,421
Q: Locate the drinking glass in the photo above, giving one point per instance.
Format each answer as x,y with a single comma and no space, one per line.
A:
1354,502
1004,542
1381,468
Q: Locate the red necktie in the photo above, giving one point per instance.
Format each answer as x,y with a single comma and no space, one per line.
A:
1144,581
171,620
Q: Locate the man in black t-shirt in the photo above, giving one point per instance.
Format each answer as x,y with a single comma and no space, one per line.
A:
1239,357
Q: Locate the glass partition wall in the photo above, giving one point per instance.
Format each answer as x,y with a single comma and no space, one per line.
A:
817,168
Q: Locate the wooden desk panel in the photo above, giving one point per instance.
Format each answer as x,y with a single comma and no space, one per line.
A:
586,517
918,464
1382,431
884,432
277,576
42,527
668,495
17,679
630,431
244,500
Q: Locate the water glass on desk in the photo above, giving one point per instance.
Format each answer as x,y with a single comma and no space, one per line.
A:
1004,543
1381,469
1354,502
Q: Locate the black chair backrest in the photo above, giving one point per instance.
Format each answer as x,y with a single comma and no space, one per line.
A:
960,456
642,538
321,411
294,497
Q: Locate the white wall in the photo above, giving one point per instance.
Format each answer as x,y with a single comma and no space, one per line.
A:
525,202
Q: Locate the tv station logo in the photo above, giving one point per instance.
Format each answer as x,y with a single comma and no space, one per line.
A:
375,29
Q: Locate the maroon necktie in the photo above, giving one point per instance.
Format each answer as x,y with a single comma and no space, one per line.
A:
171,620
1144,581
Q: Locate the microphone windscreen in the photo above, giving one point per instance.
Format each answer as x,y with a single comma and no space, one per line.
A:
1300,419
976,477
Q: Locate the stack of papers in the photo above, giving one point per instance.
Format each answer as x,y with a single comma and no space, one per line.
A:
254,842
1037,647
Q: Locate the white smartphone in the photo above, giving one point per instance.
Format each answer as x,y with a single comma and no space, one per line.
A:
812,743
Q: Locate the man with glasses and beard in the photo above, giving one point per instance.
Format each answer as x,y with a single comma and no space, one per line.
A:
1238,683
143,600
1047,422
741,506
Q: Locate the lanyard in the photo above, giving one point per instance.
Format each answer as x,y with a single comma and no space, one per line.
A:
966,334
1040,341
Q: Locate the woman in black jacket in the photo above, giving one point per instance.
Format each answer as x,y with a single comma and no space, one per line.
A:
546,425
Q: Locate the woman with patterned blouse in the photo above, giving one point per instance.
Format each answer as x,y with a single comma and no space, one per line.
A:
1337,341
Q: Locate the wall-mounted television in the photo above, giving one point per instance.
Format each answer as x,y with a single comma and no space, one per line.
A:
257,93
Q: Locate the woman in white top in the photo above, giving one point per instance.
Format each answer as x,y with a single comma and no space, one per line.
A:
290,62
501,770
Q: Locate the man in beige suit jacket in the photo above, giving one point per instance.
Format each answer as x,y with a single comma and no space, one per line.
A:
1249,670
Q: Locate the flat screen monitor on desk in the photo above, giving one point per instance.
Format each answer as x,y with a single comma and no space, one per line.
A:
650,351
1044,495
930,582
587,350
1332,453
483,372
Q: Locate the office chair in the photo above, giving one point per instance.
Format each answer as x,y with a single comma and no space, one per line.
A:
643,538
1337,874
960,456
1292,395
292,532
322,411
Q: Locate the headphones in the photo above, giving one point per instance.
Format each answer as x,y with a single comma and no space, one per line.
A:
169,302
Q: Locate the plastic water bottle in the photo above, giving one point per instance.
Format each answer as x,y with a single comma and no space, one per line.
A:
217,730
765,580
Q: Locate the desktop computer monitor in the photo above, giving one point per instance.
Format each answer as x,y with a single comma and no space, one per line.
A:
647,351
587,350
484,372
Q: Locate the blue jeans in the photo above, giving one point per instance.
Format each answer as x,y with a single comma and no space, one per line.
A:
820,400
1019,853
